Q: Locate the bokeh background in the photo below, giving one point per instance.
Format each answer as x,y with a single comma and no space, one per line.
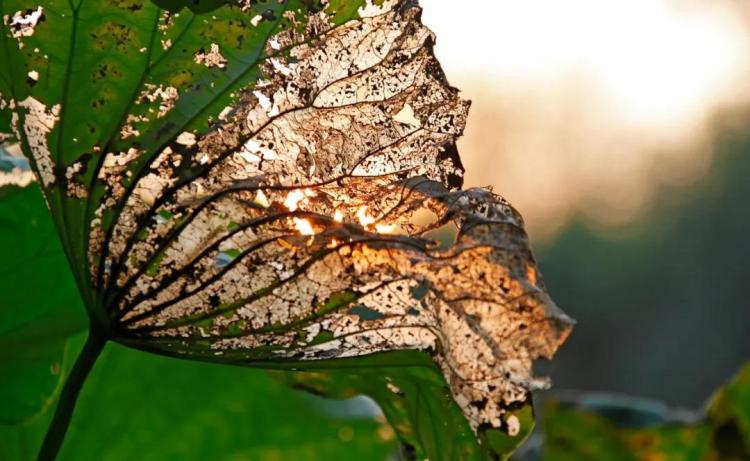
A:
621,131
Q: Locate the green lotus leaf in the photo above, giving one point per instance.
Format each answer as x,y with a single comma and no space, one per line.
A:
263,184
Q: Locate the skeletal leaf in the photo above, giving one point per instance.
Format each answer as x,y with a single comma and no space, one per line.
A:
291,202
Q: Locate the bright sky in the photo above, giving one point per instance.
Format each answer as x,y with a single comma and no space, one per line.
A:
590,104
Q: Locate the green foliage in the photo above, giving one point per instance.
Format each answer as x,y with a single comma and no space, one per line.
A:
142,406
729,418
106,62
196,6
39,307
583,430
673,282
418,404
98,68
113,49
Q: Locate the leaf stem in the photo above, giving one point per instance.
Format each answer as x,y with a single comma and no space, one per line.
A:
61,420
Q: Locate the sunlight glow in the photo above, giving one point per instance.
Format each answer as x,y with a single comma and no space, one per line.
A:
656,58
587,106
303,226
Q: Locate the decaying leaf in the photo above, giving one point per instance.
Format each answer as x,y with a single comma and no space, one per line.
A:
316,214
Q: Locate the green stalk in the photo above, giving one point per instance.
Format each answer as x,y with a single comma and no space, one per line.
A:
72,387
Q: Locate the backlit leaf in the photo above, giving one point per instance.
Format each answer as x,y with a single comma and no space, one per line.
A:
276,184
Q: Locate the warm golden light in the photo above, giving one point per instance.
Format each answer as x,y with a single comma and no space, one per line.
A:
364,219
293,198
385,228
588,105
261,199
655,59
297,197
303,226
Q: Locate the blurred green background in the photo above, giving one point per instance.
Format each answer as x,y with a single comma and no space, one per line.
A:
662,304
638,202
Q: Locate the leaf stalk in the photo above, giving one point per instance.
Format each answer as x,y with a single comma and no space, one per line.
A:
73,384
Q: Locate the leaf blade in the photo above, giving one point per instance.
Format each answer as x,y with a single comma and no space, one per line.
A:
39,308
